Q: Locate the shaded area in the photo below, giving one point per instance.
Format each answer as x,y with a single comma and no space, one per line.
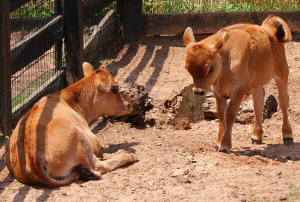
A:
147,56
158,62
21,195
113,148
278,152
45,195
6,181
128,56
98,124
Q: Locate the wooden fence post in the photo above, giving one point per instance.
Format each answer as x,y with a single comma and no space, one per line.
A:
73,33
131,18
58,45
5,70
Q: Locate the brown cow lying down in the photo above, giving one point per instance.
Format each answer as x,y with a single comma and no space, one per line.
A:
52,144
237,61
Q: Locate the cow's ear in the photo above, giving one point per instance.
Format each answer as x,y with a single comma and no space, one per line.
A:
188,36
87,68
220,41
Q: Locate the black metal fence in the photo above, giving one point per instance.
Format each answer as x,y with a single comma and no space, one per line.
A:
41,50
35,76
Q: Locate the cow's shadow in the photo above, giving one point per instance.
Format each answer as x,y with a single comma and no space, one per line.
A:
278,152
113,148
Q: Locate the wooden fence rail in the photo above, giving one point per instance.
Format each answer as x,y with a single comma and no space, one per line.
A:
210,22
38,43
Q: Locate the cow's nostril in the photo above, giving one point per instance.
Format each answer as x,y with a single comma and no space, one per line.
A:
199,92
127,105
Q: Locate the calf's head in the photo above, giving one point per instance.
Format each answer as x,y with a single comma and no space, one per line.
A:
107,99
203,61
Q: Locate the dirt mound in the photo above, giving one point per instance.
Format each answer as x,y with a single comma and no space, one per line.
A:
139,102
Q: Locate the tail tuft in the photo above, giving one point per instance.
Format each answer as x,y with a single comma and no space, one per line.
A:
278,28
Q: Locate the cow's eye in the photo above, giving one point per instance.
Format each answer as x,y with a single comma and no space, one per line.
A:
211,69
115,89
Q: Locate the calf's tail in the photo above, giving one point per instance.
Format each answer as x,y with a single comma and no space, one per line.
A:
277,28
41,171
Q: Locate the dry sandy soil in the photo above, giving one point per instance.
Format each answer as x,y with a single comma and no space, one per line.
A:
181,165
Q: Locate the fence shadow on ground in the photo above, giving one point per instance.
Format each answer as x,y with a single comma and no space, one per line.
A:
128,56
278,152
21,195
157,50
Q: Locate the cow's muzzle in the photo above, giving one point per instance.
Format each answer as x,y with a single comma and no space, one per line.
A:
198,91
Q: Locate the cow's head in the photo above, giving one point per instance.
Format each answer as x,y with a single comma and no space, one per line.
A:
107,98
202,59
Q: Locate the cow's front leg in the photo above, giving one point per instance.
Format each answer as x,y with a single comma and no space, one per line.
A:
230,116
258,102
121,158
221,106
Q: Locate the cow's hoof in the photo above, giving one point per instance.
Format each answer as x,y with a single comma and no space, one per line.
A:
254,141
226,151
134,158
217,147
288,141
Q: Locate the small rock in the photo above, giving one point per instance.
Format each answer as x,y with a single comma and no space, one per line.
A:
283,198
284,157
179,172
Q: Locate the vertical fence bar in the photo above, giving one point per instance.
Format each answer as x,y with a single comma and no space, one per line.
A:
131,18
58,45
5,70
73,33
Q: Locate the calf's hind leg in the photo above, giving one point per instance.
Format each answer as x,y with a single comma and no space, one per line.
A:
258,102
284,104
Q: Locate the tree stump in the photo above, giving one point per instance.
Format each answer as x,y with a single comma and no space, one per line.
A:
187,108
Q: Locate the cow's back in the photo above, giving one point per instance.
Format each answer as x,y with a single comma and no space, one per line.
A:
250,52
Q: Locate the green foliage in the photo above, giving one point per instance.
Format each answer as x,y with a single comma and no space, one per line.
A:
185,6
35,8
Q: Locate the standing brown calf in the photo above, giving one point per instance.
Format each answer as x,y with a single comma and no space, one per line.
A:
237,61
52,144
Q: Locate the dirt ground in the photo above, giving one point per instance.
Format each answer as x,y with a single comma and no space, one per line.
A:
181,165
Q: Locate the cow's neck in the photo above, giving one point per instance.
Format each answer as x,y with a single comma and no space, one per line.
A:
80,96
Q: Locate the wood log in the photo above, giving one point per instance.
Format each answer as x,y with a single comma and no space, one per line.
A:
187,108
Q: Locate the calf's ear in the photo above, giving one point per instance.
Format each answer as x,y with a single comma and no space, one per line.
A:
87,68
219,41
188,36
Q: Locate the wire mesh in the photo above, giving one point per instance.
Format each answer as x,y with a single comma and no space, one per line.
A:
34,77
29,18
